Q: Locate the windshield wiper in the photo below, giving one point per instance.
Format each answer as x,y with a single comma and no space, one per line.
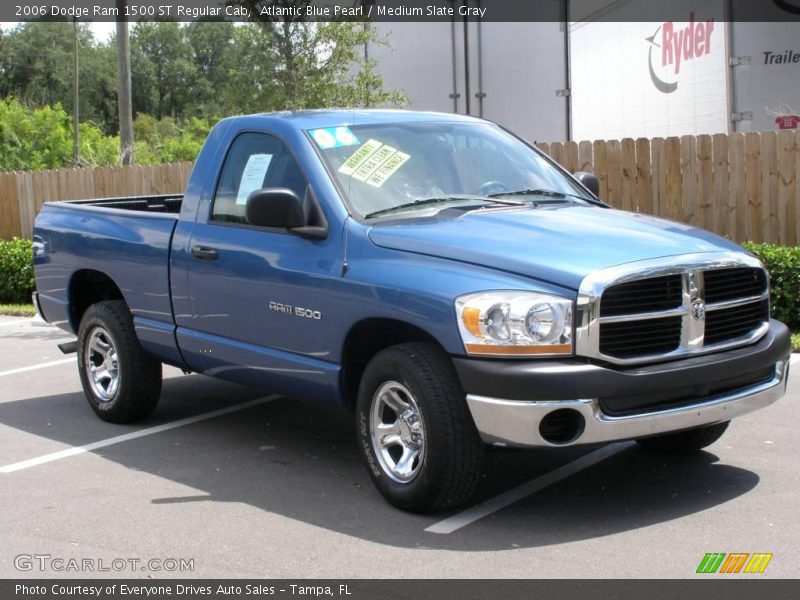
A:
543,192
441,200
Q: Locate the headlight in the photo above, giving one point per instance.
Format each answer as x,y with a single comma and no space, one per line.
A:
515,323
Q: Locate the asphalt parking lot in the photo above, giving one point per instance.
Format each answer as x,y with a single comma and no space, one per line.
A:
245,484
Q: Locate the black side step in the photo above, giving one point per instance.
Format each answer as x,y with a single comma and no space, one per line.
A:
68,347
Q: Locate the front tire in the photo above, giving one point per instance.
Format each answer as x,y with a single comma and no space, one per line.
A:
415,432
120,381
684,442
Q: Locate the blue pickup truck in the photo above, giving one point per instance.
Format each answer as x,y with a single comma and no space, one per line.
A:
433,274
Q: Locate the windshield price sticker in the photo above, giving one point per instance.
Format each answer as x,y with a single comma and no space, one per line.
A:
374,163
387,169
369,166
359,157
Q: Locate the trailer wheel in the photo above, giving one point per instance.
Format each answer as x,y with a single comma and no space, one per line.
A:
120,381
415,431
691,440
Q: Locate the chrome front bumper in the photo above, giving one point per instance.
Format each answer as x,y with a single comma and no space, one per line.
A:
517,422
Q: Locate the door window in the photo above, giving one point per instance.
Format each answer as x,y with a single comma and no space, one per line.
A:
254,161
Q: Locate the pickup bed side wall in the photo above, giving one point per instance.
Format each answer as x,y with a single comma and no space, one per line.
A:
130,249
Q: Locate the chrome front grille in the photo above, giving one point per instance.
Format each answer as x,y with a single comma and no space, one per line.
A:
627,339
673,307
733,323
642,295
730,284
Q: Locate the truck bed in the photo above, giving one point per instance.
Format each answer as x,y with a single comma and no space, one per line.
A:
125,239
164,203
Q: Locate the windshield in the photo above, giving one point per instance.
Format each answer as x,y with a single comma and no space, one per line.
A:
408,169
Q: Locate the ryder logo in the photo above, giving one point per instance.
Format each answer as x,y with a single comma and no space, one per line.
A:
673,46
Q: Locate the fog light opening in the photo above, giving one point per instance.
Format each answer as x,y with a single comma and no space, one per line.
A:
562,426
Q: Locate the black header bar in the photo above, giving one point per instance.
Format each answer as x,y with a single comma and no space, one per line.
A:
400,10
732,588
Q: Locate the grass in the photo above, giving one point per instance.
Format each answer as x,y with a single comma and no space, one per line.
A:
17,310
796,342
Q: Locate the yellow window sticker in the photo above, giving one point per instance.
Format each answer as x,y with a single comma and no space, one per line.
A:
387,169
369,166
359,157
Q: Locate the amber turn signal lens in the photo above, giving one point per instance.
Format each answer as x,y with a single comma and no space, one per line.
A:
472,320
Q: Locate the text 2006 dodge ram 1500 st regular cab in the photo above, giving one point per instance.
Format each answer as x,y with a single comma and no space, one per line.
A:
432,273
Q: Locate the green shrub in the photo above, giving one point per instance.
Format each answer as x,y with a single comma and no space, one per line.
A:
41,138
783,264
16,271
167,140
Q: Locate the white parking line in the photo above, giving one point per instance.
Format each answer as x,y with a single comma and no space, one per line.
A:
53,456
487,507
39,366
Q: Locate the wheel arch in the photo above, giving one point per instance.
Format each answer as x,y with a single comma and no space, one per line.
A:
364,340
87,287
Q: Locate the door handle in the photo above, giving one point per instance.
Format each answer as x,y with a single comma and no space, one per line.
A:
204,253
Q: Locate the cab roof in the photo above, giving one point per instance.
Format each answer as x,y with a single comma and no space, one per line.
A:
313,119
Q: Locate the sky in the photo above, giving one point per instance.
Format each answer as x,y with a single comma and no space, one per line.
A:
102,31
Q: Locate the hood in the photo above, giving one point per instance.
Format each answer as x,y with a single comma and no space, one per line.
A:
558,244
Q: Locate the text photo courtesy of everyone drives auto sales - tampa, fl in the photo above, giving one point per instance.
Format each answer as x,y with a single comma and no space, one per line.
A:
353,298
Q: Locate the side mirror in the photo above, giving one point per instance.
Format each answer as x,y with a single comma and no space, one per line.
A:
589,181
275,207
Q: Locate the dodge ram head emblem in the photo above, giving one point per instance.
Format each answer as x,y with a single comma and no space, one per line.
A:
698,309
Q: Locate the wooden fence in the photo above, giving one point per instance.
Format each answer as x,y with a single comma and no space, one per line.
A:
23,193
743,186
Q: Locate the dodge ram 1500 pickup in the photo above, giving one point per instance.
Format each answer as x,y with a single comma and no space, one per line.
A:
433,274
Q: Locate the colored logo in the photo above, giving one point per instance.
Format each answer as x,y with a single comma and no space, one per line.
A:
676,47
734,562
788,121
334,137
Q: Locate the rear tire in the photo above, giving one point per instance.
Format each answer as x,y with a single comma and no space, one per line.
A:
416,434
120,381
681,442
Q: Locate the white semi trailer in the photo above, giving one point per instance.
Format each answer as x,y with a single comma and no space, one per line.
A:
708,73
604,74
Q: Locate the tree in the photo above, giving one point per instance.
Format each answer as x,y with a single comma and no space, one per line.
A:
36,67
214,58
321,64
184,78
38,62
124,84
3,55
99,86
161,68
250,85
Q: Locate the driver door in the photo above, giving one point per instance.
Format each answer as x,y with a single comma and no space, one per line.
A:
257,293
